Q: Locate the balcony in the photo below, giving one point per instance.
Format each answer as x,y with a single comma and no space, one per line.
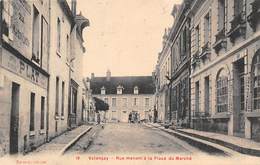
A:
195,59
253,17
205,51
221,41
198,115
238,27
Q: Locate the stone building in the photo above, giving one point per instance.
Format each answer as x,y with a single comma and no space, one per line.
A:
125,95
24,74
66,49
90,111
225,50
39,41
162,75
179,37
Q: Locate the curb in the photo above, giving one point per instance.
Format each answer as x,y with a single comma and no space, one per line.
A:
199,143
243,150
73,141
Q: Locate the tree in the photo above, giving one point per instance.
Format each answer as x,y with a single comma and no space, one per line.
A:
100,105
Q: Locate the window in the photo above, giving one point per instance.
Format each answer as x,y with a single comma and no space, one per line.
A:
68,48
7,14
197,97
119,90
147,102
103,90
197,34
222,92
136,90
185,43
62,97
44,43
36,36
221,15
207,23
32,111
207,95
42,111
106,100
256,82
124,102
57,97
113,102
238,7
135,101
58,35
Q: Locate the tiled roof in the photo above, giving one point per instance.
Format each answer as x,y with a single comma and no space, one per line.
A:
144,83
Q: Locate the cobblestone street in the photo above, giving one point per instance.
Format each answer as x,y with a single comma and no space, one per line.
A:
131,138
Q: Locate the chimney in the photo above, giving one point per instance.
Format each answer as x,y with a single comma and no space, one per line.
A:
74,7
108,75
92,75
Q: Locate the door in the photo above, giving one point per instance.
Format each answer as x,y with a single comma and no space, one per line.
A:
14,123
239,98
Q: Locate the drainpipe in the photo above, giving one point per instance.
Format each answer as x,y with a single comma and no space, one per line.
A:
48,85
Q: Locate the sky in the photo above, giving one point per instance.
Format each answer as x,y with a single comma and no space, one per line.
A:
124,36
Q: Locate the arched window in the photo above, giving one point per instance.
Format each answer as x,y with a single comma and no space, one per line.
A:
256,82
222,91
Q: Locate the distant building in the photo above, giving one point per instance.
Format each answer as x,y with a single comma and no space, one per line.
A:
125,95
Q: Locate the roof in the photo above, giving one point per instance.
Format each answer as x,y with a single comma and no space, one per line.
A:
144,83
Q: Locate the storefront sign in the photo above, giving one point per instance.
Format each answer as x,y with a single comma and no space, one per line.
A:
20,27
23,69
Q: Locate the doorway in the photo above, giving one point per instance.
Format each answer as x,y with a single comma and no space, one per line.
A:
14,123
239,97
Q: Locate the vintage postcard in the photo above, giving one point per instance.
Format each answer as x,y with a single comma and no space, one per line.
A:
129,82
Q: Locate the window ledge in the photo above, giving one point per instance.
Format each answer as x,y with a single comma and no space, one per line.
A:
32,133
58,53
57,117
221,115
42,131
62,117
36,63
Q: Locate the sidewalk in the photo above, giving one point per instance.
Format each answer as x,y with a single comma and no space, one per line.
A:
59,144
238,144
241,145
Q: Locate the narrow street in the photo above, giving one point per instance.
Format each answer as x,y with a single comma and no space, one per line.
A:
130,138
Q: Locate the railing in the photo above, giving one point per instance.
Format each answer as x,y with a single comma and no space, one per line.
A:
255,6
238,20
253,17
200,114
221,35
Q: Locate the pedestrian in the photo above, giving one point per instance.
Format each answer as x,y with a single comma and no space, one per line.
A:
129,117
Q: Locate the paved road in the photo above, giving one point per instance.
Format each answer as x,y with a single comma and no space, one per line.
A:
131,138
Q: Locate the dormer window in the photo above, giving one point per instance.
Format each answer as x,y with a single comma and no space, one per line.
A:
119,90
136,90
103,90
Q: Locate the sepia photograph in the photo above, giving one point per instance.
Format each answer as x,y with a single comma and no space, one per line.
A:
89,82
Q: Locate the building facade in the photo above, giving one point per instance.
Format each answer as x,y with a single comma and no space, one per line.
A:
225,57
66,49
125,95
24,74
180,66
36,72
162,74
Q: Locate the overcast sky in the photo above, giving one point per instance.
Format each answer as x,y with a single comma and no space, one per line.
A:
124,36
